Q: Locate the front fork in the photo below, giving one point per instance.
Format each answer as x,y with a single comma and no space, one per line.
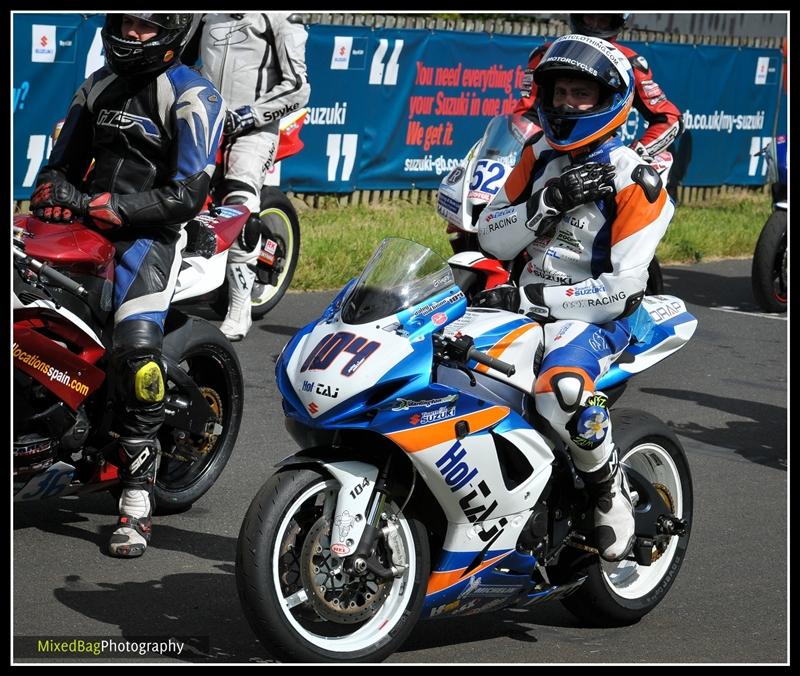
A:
355,522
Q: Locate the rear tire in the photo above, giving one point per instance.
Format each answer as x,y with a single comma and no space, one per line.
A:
618,594
769,272
212,362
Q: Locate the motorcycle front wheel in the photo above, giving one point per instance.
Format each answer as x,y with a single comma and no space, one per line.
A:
296,594
621,593
769,271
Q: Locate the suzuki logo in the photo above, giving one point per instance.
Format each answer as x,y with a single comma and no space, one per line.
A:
43,41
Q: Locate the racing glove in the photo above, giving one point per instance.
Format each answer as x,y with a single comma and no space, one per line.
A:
580,184
58,202
61,202
239,121
503,297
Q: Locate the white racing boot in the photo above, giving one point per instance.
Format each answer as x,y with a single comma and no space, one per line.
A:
240,284
613,514
133,528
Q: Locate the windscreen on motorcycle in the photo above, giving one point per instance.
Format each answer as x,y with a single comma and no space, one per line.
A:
504,138
400,274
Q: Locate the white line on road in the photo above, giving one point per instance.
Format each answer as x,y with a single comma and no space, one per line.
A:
728,308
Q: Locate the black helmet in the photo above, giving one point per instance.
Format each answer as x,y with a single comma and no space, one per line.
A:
132,57
617,23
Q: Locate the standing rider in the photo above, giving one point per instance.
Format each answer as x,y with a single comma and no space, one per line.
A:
152,126
257,60
664,122
589,212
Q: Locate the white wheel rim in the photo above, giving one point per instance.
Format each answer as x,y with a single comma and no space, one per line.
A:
269,290
383,621
627,578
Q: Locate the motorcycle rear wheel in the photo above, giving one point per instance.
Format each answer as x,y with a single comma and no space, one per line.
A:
280,217
300,603
621,593
769,271
213,365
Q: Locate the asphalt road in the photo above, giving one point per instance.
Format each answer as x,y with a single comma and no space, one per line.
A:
725,395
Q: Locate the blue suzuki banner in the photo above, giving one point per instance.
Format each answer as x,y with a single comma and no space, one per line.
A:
397,109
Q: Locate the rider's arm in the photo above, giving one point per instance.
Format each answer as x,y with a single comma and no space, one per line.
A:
643,212
664,121
194,111
72,152
292,91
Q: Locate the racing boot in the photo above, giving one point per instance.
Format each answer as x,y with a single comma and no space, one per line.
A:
136,502
240,284
613,514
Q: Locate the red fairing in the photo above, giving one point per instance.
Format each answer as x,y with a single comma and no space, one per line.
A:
289,142
68,245
225,226
65,374
495,273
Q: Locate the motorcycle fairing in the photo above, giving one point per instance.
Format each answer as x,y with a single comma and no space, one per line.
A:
661,326
65,374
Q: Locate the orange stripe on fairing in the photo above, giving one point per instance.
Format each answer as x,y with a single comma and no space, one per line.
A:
619,119
544,381
500,346
440,580
634,212
520,176
420,438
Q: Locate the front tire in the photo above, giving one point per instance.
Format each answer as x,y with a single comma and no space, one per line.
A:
621,593
769,274
299,602
189,467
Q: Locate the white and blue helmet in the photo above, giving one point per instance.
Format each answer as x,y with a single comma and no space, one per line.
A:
581,56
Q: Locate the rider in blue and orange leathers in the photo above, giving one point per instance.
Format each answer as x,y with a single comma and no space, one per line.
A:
589,212
664,122
152,126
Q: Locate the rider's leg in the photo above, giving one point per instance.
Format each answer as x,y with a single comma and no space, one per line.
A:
577,354
145,277
246,161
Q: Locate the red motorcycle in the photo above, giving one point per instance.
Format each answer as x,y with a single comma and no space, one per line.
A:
63,321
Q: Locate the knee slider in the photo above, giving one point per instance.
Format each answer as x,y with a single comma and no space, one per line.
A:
148,379
589,425
568,388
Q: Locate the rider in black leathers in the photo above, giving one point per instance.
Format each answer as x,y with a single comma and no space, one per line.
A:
152,126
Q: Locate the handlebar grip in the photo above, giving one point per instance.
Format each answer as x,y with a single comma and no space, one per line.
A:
496,364
60,279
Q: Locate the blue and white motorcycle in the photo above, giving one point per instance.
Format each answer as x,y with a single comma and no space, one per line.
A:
428,486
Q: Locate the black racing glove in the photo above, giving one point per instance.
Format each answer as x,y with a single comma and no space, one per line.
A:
504,297
581,184
239,121
58,201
